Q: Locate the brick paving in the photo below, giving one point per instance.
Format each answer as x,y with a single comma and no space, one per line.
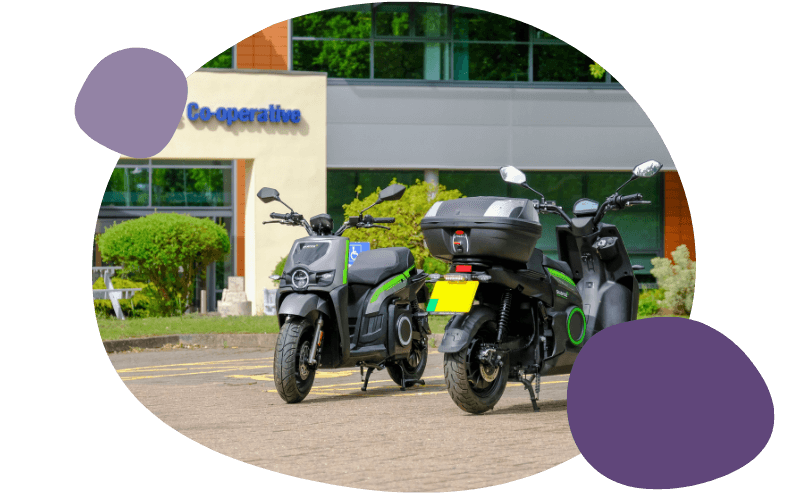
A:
383,439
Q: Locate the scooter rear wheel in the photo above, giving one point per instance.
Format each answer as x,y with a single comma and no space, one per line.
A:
414,365
292,374
467,384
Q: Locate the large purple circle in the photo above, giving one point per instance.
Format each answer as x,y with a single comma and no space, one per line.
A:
667,403
132,102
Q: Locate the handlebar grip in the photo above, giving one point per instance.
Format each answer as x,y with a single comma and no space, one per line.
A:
629,198
384,220
278,216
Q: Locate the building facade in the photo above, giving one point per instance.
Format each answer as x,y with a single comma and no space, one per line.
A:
400,91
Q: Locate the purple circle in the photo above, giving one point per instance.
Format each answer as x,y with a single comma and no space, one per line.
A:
132,102
666,403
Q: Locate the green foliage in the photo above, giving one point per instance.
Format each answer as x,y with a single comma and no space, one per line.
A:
224,60
158,246
140,306
650,302
408,212
597,71
279,268
677,280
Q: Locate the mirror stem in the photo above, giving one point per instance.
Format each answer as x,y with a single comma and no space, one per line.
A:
285,205
634,176
361,212
525,185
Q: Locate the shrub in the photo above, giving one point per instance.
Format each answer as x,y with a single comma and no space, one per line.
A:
677,280
407,211
278,271
140,306
650,302
158,247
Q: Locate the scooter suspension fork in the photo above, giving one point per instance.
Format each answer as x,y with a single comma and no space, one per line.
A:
505,313
312,357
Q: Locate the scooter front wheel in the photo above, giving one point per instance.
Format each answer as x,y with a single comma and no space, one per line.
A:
473,388
292,374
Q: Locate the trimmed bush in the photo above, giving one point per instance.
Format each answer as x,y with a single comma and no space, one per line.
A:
169,251
278,271
677,280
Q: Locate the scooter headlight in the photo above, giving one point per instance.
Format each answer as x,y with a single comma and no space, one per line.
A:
300,279
324,279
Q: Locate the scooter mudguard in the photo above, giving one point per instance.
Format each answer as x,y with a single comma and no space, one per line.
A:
302,304
463,328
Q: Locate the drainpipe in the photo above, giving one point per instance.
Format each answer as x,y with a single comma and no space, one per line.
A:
432,177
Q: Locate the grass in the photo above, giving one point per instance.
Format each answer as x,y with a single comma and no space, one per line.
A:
112,329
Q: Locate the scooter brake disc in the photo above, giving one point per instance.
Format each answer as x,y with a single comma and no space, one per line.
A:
304,371
489,373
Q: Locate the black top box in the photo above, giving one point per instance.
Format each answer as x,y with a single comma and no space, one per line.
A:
482,227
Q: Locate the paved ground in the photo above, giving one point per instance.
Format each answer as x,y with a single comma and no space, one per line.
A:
383,439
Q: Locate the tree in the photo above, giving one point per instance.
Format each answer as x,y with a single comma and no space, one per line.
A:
408,213
168,250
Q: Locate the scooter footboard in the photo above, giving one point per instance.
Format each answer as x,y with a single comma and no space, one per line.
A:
463,328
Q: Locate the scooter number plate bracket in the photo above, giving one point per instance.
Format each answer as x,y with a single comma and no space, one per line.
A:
452,296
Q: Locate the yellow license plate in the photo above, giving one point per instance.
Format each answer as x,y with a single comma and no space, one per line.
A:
452,296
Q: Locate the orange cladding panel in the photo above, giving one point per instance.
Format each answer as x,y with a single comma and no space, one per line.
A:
267,49
677,219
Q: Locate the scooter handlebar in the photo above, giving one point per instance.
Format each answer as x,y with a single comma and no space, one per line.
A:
384,220
278,216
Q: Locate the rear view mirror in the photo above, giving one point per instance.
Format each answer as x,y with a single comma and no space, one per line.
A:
268,194
512,175
647,169
391,193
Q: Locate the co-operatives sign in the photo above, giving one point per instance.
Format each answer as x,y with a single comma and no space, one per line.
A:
229,115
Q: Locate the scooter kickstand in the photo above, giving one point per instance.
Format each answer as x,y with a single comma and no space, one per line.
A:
529,387
407,380
366,379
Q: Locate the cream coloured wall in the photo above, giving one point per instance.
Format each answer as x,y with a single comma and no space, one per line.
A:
286,156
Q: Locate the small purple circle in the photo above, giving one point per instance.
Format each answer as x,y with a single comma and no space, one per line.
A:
132,102
667,403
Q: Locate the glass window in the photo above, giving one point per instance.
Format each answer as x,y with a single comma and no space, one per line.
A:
430,20
411,60
128,187
560,63
354,21
191,187
478,46
339,59
485,61
393,20
471,24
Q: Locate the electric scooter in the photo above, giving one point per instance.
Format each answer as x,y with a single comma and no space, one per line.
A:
332,317
517,312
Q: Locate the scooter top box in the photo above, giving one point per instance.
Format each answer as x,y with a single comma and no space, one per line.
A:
484,226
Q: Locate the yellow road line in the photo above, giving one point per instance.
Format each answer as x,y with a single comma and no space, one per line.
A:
200,363
236,368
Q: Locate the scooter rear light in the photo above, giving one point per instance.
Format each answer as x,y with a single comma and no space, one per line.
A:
463,269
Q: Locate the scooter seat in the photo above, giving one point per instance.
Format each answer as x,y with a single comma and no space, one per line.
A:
374,266
558,265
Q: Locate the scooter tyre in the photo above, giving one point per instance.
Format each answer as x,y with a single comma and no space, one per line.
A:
456,377
414,374
295,333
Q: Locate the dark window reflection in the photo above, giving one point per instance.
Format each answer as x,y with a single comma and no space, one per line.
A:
338,58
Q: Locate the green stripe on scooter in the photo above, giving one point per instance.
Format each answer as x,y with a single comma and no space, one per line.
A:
432,305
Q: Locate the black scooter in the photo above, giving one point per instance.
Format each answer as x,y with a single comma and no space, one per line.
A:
518,312
332,316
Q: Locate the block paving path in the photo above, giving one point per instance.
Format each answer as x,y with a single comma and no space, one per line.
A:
382,439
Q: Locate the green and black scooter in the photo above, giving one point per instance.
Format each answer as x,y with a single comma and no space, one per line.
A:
333,317
517,312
